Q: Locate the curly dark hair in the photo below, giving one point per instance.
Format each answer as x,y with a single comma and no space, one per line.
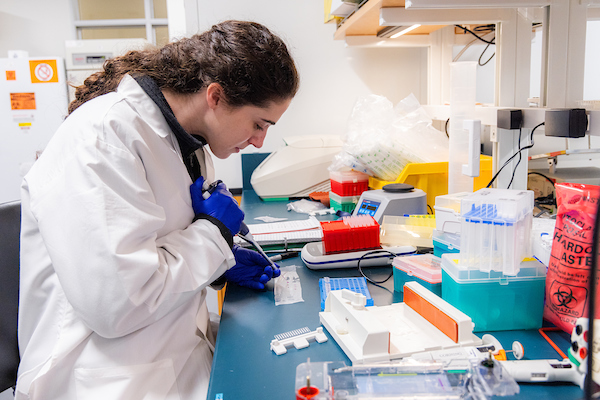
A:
251,64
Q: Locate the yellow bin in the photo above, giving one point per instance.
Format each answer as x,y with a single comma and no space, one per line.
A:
432,178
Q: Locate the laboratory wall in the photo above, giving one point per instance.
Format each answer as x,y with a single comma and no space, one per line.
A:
39,27
332,75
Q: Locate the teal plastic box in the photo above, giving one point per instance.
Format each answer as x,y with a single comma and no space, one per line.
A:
343,203
444,242
426,269
494,301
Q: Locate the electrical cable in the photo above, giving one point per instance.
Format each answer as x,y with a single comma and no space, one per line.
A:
485,28
430,209
446,128
376,283
481,55
474,34
542,175
544,200
514,155
472,42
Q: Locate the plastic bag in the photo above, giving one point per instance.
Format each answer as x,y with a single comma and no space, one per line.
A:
309,207
382,139
288,289
567,280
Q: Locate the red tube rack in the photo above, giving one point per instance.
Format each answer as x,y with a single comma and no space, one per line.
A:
350,234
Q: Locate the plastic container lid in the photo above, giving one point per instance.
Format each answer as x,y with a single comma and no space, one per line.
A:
530,269
450,240
348,176
344,199
426,267
451,201
497,206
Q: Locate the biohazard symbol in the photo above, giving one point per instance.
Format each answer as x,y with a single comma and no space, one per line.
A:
563,297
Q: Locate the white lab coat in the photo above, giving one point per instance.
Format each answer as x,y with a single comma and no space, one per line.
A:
113,271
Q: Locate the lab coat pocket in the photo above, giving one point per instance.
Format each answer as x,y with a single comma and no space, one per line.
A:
154,381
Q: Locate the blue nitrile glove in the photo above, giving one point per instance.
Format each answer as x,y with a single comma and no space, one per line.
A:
251,269
220,205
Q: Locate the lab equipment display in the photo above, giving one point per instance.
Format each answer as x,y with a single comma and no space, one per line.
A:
392,199
357,285
496,230
299,338
298,168
495,301
424,268
423,322
33,104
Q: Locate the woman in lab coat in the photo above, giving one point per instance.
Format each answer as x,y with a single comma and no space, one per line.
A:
117,244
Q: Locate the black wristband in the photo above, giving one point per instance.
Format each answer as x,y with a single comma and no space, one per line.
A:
224,230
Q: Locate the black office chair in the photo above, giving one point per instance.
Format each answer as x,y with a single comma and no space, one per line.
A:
10,229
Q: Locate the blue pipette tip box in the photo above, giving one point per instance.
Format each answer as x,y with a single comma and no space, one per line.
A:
358,285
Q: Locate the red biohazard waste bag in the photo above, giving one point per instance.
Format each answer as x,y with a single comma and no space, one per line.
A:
567,281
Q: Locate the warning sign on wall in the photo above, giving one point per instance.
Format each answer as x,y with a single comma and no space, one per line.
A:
11,75
43,71
22,101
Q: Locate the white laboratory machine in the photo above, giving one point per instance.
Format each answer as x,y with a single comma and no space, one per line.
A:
298,168
84,57
393,199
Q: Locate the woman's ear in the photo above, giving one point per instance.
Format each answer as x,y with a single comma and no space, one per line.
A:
214,95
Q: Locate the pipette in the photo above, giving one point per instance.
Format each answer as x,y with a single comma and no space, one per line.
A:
244,232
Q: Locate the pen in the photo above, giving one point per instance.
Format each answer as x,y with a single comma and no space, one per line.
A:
284,256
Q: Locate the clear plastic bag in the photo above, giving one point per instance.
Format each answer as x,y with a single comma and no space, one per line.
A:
382,139
309,207
288,289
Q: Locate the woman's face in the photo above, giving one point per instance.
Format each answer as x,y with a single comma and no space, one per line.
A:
234,128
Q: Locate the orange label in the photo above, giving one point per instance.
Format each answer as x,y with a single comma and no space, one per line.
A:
22,101
11,75
43,71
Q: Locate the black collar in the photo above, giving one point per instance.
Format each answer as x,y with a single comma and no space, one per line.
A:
188,144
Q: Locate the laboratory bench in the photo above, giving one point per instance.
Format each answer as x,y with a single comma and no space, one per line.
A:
244,367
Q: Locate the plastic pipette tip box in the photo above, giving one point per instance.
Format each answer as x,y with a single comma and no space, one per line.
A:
350,234
426,269
349,183
495,233
357,285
